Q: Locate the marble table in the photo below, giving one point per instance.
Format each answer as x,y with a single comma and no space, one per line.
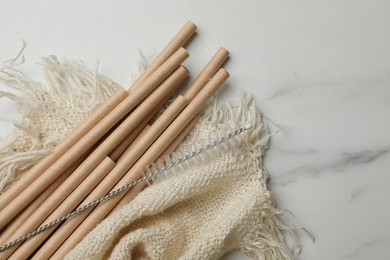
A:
321,69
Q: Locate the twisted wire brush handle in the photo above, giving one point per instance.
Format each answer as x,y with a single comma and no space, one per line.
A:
128,186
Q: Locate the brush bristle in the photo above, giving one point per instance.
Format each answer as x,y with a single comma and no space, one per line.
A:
177,162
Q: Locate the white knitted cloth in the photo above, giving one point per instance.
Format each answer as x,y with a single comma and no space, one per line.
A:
48,112
209,207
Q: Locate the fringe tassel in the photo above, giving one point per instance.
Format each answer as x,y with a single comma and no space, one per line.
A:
275,237
48,111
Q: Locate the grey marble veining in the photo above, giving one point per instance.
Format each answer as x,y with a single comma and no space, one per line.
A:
320,69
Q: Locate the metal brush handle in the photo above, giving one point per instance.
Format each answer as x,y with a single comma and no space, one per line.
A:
126,187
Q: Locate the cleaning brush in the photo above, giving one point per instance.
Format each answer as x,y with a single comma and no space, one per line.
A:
168,164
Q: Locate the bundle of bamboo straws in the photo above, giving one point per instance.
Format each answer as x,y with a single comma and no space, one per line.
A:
105,152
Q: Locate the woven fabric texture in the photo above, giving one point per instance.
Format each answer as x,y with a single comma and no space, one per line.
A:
213,204
48,112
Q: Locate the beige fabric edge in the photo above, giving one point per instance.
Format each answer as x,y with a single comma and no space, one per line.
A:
50,112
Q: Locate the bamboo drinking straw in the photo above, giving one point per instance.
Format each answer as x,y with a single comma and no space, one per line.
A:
35,220
105,147
129,157
51,245
114,155
139,187
98,114
213,61
149,156
27,212
207,72
169,150
44,180
81,192
107,184
178,41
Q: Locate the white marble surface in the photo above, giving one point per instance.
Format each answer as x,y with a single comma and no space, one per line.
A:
319,68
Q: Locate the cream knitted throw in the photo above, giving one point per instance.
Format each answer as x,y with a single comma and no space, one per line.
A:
205,209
